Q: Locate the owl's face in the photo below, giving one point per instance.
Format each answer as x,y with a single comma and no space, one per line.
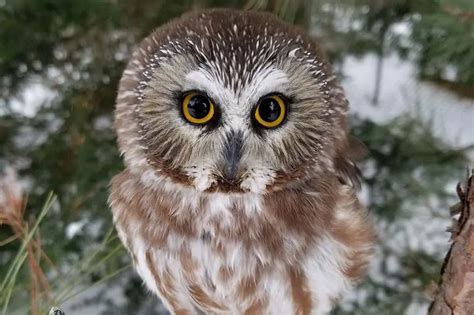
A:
230,101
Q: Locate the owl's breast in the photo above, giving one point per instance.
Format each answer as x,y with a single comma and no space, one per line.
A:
237,257
220,278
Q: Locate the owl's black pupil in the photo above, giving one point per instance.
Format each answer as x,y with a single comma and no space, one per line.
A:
269,109
199,106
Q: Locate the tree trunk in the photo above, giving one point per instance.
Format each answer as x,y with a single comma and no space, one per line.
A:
455,294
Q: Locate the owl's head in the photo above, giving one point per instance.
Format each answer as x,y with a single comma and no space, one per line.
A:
231,101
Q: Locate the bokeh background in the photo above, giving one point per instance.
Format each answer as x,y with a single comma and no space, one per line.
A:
408,71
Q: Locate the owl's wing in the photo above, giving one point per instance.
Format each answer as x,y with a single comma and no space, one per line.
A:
347,171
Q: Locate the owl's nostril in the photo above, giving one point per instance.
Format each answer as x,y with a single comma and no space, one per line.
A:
232,154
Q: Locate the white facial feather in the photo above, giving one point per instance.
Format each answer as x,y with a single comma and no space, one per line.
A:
237,109
265,81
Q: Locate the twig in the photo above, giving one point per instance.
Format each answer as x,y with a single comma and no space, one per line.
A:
455,293
459,13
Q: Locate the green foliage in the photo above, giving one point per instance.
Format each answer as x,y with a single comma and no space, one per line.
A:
361,26
441,39
31,31
445,36
407,166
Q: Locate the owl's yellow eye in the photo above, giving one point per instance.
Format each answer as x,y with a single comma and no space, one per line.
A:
197,108
271,111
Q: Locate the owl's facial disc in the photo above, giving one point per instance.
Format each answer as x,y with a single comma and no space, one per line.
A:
230,103
238,136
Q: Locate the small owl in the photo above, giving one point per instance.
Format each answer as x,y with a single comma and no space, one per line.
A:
238,190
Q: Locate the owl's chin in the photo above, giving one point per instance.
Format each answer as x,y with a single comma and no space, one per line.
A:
224,186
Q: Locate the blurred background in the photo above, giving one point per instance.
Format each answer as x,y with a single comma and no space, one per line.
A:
408,71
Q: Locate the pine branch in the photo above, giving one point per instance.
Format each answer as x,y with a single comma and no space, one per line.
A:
455,294
458,13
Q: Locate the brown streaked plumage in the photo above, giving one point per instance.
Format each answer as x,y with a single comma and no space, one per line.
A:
231,216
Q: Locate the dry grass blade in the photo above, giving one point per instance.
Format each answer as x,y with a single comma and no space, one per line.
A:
12,209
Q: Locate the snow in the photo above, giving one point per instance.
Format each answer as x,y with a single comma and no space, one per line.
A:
33,96
451,117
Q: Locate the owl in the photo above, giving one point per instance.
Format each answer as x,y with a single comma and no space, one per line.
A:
238,194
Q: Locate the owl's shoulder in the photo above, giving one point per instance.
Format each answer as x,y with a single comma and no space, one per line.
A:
135,204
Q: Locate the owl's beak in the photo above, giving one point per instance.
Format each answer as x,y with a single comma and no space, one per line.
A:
232,155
